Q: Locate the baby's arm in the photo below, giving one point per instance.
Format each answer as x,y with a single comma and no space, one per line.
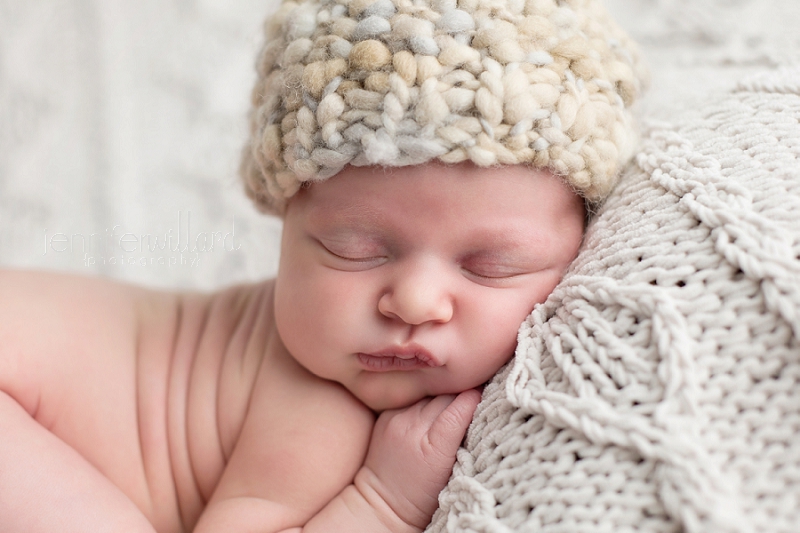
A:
409,461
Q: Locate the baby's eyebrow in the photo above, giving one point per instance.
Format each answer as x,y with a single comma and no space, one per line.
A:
350,213
511,237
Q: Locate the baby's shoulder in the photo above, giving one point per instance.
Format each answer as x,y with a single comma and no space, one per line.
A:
22,289
54,313
56,301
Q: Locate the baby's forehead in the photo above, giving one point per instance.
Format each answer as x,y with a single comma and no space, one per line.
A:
447,179
442,195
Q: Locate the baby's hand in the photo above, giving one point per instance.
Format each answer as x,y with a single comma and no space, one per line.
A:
412,452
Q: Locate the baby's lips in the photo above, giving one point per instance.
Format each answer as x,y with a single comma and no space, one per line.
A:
409,351
389,363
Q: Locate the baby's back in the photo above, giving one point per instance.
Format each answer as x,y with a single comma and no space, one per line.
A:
150,388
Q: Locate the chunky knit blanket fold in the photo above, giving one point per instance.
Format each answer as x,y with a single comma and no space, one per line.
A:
658,389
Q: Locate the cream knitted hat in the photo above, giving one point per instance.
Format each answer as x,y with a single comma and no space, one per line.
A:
546,83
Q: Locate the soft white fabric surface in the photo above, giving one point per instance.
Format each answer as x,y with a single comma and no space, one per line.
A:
132,114
658,388
129,114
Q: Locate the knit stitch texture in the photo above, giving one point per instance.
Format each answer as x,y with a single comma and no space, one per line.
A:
658,388
546,83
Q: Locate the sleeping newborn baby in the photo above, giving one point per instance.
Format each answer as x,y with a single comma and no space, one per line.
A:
420,228
251,409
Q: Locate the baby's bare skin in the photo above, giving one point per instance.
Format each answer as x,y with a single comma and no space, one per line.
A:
155,391
252,409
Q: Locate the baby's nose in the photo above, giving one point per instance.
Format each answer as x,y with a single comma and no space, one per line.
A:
417,295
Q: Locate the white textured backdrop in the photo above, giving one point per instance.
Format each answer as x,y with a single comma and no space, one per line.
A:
121,123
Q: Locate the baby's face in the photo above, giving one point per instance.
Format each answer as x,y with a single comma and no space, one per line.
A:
412,282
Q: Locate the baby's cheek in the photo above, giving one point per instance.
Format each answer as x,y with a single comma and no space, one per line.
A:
316,310
496,323
511,309
290,316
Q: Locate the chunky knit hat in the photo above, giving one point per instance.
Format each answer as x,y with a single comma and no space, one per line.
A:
546,83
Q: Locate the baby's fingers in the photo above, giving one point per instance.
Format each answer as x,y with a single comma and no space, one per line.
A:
448,428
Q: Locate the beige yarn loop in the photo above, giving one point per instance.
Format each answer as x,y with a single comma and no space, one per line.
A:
547,83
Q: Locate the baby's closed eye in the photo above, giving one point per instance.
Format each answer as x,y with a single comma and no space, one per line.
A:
359,250
493,266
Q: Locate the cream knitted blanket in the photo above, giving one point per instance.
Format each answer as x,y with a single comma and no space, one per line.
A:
658,389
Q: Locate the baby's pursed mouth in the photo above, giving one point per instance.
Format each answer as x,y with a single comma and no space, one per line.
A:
398,358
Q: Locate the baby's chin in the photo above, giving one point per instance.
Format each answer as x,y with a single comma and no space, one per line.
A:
386,400
386,404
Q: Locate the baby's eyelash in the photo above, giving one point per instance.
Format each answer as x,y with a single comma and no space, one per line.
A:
493,275
359,259
493,266
350,257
